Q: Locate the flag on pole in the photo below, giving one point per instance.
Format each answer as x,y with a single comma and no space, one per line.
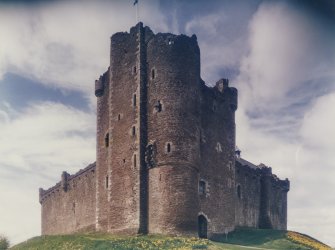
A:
135,2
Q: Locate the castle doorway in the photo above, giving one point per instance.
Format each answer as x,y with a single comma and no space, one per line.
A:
202,226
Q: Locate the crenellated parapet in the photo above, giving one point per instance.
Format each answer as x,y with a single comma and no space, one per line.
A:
65,183
101,84
284,185
228,93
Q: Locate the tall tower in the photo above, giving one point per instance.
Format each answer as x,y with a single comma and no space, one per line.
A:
173,133
151,123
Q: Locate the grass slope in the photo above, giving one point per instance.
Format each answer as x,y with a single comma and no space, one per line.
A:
241,239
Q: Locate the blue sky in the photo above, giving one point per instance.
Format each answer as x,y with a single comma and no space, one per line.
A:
279,54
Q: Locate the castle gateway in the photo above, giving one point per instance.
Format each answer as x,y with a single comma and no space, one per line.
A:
166,159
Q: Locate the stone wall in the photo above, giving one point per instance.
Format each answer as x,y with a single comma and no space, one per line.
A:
248,194
217,169
173,107
273,206
103,143
124,120
69,206
261,197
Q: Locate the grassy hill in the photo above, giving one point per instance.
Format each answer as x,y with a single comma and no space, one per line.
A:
240,239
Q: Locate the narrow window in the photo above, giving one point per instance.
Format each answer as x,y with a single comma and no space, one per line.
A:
124,160
153,74
107,140
106,182
134,69
168,148
158,106
135,163
119,117
202,187
238,191
134,100
133,132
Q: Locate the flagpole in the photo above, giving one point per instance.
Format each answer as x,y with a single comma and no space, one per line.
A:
137,13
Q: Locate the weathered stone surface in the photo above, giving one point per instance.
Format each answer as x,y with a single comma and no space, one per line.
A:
165,151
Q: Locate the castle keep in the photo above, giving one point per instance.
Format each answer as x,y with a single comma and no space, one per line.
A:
166,159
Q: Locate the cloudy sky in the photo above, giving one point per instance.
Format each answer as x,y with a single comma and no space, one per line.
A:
279,54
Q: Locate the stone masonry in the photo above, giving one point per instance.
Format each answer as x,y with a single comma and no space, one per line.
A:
166,159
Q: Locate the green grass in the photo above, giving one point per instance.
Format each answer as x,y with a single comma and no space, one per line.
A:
241,239
262,238
106,241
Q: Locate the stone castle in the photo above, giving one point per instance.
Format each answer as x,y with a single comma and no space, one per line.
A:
166,156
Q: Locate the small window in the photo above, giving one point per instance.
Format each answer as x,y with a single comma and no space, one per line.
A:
134,100
158,106
106,182
135,163
168,147
153,74
133,131
134,70
124,160
202,187
238,190
107,140
119,117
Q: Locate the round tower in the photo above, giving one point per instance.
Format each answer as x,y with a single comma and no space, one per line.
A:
173,149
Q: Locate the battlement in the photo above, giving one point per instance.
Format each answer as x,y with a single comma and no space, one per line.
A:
64,183
245,167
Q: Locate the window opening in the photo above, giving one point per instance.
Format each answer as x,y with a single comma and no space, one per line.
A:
158,106
106,181
119,117
107,140
202,187
133,132
134,100
238,191
153,74
134,69
168,148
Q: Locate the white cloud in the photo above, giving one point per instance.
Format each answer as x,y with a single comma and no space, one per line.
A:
36,146
285,117
66,43
287,50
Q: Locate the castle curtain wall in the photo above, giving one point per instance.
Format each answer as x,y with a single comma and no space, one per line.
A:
248,196
69,206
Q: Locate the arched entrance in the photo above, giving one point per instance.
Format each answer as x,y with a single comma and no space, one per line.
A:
202,226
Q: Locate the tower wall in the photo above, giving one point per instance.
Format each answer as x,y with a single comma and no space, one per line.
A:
218,156
124,120
173,133
102,146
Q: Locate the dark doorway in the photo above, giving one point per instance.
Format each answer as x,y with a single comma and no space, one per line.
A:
202,226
